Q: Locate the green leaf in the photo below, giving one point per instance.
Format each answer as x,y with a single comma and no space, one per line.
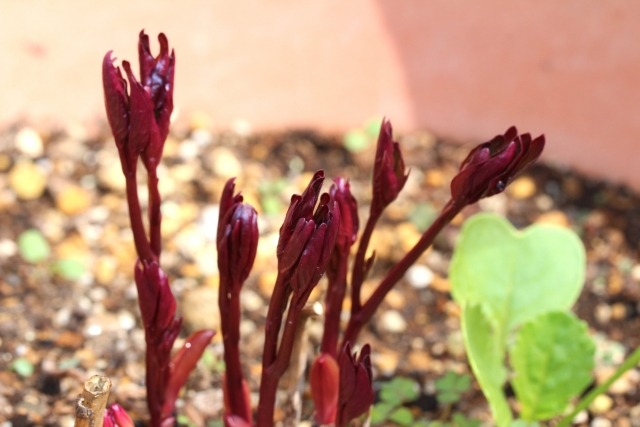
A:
402,416
552,358
523,423
399,390
33,247
69,268
451,386
380,412
516,275
487,360
460,420
22,367
356,140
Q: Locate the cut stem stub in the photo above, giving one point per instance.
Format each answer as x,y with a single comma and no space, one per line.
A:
91,403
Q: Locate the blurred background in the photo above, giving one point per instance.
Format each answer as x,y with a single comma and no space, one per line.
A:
464,70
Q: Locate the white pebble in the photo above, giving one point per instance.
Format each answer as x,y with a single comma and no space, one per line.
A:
28,142
601,422
419,276
126,320
392,321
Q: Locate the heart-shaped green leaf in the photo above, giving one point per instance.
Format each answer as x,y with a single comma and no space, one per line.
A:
516,275
552,358
487,360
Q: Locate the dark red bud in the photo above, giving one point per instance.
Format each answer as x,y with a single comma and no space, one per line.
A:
491,166
389,174
348,231
156,76
356,393
116,100
238,244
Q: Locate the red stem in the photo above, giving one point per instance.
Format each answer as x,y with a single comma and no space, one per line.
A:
272,374
135,218
364,315
229,303
155,216
333,305
358,271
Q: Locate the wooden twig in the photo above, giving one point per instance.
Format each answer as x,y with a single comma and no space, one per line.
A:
90,405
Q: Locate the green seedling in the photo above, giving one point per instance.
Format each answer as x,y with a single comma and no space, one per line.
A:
451,386
393,395
359,139
516,290
34,248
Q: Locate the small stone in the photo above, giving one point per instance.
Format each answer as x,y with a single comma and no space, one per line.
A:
441,284
395,298
419,276
618,311
554,218
419,360
202,303
522,188
392,321
386,362
8,248
69,339
615,284
126,320
251,301
603,314
29,142
27,180
634,415
110,172
581,417
224,163
73,200
600,422
626,383
601,404
105,269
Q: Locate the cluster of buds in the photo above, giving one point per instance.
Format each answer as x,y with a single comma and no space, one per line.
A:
316,237
138,112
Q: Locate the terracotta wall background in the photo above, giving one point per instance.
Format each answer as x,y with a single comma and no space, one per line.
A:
464,69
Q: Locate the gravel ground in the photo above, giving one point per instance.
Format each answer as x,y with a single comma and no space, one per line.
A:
73,312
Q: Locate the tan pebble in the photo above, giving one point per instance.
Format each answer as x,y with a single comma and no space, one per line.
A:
458,220
554,218
190,270
29,142
110,173
452,309
434,178
615,283
382,242
522,188
105,269
73,200
395,299
5,162
440,284
626,383
202,312
73,246
225,163
27,180
618,311
572,187
420,360
266,281
408,235
601,404
385,362
69,339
